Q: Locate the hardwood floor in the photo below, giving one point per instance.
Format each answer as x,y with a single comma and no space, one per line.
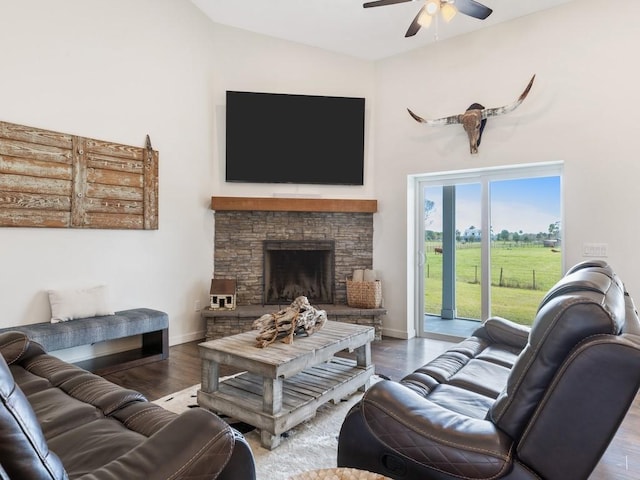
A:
393,358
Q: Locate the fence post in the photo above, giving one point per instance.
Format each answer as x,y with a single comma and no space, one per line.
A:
500,282
534,279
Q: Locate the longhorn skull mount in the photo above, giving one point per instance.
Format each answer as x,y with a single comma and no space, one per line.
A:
475,117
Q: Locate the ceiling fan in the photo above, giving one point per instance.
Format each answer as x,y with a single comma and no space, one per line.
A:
447,8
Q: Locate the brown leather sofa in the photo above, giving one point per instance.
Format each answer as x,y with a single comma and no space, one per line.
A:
58,421
510,402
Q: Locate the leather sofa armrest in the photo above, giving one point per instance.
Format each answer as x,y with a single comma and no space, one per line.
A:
447,441
631,320
242,465
15,347
196,444
503,331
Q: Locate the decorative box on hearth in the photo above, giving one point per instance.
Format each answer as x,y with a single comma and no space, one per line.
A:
222,294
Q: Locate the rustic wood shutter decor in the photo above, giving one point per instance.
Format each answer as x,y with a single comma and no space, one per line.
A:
56,180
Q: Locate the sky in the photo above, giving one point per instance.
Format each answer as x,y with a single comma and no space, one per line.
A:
529,205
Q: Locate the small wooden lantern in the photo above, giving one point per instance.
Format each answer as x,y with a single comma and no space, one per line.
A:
222,294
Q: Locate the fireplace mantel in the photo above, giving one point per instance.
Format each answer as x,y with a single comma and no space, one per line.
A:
278,204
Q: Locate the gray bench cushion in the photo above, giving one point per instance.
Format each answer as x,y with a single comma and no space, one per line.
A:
84,331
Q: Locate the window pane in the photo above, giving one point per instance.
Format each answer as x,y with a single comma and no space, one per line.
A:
468,243
443,311
433,250
525,245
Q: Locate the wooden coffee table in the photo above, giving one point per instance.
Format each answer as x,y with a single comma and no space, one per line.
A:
284,384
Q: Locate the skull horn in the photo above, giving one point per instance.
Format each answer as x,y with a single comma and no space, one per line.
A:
474,118
440,121
494,112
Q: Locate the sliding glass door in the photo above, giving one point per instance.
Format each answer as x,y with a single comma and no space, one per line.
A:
452,241
489,243
526,255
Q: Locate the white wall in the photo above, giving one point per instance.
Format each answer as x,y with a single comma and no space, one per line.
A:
256,63
581,110
118,70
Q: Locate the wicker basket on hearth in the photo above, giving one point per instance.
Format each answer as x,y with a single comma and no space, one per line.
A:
364,294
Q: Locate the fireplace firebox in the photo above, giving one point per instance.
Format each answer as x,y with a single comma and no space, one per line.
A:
293,268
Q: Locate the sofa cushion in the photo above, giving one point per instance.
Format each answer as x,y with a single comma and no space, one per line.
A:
459,400
501,354
28,382
23,450
144,417
92,445
57,412
417,428
446,365
471,346
82,385
486,378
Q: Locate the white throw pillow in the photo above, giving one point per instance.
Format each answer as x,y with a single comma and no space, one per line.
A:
75,303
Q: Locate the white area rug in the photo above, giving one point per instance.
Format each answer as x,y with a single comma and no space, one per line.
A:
312,445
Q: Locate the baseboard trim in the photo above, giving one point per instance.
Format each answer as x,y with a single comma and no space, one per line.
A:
187,337
394,333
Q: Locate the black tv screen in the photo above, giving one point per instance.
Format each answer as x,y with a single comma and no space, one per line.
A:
281,138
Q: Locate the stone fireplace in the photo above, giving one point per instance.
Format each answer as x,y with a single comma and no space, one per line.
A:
277,249
241,230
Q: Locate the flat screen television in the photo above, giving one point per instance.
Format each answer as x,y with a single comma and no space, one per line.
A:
282,138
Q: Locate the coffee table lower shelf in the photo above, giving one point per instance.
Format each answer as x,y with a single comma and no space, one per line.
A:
242,396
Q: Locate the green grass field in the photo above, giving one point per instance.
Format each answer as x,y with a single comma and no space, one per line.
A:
520,277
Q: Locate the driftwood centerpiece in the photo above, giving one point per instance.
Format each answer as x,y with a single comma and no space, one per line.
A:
297,318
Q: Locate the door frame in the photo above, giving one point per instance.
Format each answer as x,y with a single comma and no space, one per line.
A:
415,224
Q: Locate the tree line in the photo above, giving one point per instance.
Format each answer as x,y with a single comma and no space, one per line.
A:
470,235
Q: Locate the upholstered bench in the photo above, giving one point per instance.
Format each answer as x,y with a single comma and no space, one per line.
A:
153,325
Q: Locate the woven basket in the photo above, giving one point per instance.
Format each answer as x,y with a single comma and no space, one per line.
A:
364,294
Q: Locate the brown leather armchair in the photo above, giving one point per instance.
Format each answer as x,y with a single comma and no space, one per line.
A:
58,421
509,402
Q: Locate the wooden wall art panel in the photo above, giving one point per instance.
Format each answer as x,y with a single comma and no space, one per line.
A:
51,179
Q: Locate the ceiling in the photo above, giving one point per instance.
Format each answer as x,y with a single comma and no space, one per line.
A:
344,26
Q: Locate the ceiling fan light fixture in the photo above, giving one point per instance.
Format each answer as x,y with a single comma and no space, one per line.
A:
425,19
432,7
448,12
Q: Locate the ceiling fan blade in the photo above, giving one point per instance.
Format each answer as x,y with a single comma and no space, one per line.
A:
382,3
473,9
415,26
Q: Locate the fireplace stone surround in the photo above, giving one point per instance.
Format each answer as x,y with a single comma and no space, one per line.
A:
239,237
243,225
